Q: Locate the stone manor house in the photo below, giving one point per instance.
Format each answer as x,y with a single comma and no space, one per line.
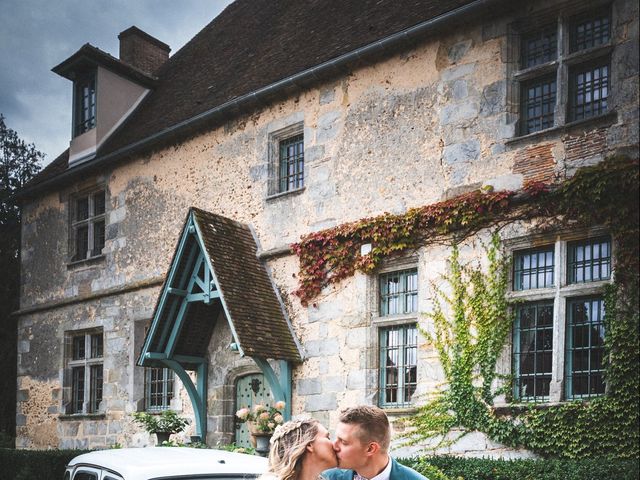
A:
157,268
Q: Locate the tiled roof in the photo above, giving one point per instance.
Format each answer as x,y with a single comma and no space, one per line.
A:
248,293
255,43
250,302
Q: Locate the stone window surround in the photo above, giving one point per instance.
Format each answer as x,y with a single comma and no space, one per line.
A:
67,389
561,65
275,137
72,206
80,123
559,293
378,322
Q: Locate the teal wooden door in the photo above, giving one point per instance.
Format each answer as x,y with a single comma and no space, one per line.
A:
250,390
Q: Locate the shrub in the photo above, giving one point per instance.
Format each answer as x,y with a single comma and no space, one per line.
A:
457,468
40,464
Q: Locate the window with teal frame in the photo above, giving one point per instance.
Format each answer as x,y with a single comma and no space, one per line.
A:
585,348
291,164
533,268
589,260
399,292
533,351
398,365
158,389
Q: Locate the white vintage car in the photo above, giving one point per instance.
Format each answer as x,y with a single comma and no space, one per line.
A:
164,463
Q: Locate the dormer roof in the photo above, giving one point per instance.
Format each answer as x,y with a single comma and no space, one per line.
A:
89,57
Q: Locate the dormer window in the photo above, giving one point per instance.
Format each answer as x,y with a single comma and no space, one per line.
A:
85,104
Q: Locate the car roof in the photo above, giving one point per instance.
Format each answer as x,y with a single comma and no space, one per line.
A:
153,462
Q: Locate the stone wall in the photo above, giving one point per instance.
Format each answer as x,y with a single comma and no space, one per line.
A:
416,128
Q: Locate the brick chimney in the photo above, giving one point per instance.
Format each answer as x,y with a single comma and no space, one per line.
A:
141,50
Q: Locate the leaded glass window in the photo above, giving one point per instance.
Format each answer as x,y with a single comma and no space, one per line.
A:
538,104
158,388
399,292
590,32
86,370
398,365
88,225
533,269
85,100
291,163
533,351
589,90
539,47
589,260
585,347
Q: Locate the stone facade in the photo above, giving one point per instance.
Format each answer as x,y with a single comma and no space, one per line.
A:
423,125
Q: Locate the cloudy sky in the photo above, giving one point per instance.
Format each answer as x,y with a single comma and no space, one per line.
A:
36,35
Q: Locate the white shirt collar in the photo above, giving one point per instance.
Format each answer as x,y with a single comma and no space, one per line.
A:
384,474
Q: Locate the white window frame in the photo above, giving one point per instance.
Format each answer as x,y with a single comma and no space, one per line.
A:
560,293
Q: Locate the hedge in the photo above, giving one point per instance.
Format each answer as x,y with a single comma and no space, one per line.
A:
34,464
457,468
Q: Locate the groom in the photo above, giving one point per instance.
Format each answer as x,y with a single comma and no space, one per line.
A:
362,442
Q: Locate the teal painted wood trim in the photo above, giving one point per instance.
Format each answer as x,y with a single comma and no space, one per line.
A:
180,316
188,359
177,292
174,306
280,385
216,286
163,299
197,394
155,356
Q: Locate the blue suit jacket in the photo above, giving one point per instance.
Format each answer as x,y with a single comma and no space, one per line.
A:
398,472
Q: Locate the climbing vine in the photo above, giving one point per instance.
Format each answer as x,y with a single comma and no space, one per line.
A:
470,336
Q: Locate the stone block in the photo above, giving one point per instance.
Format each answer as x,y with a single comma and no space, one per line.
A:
53,409
328,126
460,89
117,215
22,395
461,152
24,346
308,386
314,154
356,380
458,50
458,72
327,95
333,384
493,98
505,182
318,348
357,337
454,113
21,420
323,401
115,426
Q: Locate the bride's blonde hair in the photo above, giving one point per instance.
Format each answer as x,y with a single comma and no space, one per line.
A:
288,446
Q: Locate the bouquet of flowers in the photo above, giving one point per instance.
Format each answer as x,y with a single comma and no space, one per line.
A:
262,419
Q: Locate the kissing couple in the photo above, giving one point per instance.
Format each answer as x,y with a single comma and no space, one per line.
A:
303,450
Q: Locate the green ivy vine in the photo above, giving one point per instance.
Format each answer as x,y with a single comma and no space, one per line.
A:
470,339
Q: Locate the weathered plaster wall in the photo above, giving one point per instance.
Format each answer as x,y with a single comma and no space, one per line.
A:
411,130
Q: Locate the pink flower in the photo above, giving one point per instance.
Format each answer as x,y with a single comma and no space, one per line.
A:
257,407
243,413
278,419
264,416
279,405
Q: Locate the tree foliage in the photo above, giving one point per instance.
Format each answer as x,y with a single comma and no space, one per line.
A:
19,162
